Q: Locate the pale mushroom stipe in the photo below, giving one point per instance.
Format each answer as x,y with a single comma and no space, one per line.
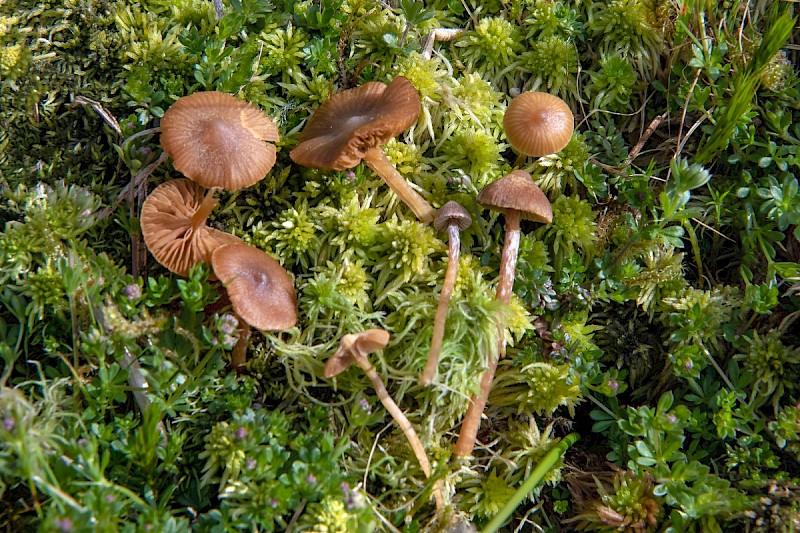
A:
454,218
517,197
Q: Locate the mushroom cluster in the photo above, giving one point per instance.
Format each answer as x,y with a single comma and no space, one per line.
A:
218,142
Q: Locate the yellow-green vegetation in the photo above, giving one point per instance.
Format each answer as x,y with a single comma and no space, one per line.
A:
657,317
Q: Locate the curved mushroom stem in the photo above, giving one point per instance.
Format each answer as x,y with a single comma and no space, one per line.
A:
206,206
377,161
239,352
454,242
402,421
508,263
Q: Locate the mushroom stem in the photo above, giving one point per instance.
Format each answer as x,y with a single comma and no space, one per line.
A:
206,206
508,263
454,242
377,161
402,421
239,352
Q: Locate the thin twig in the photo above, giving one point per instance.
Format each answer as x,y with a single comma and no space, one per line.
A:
98,107
651,128
136,181
686,107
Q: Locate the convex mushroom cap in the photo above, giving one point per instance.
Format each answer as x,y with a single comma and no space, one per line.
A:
350,123
517,192
218,140
538,123
260,290
452,213
173,226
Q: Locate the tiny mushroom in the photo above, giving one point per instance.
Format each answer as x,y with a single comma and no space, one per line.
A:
218,140
260,290
352,125
174,227
538,123
454,218
354,348
517,197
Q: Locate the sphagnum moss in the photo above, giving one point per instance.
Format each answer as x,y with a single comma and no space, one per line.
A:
691,268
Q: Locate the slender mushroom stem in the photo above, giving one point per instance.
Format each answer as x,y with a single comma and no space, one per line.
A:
239,352
402,421
377,161
508,262
206,206
454,243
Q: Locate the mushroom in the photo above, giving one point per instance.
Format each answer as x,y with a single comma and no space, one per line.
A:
453,217
354,348
352,125
218,140
538,124
260,290
517,197
174,227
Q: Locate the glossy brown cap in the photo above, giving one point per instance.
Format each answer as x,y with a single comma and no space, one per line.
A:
260,290
452,213
166,222
355,345
517,192
538,123
218,140
352,122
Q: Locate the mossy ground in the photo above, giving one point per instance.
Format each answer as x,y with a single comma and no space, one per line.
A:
656,317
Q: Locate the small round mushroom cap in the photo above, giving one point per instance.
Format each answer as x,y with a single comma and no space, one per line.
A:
538,123
518,192
352,122
452,213
218,140
168,230
260,290
355,345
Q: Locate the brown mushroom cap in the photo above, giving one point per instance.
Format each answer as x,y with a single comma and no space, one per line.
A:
517,191
218,140
352,122
355,345
452,213
260,290
538,123
168,231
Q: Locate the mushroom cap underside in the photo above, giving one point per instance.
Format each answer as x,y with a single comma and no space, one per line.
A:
166,222
353,344
353,122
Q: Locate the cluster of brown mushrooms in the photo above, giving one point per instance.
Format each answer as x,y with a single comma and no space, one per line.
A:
220,142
